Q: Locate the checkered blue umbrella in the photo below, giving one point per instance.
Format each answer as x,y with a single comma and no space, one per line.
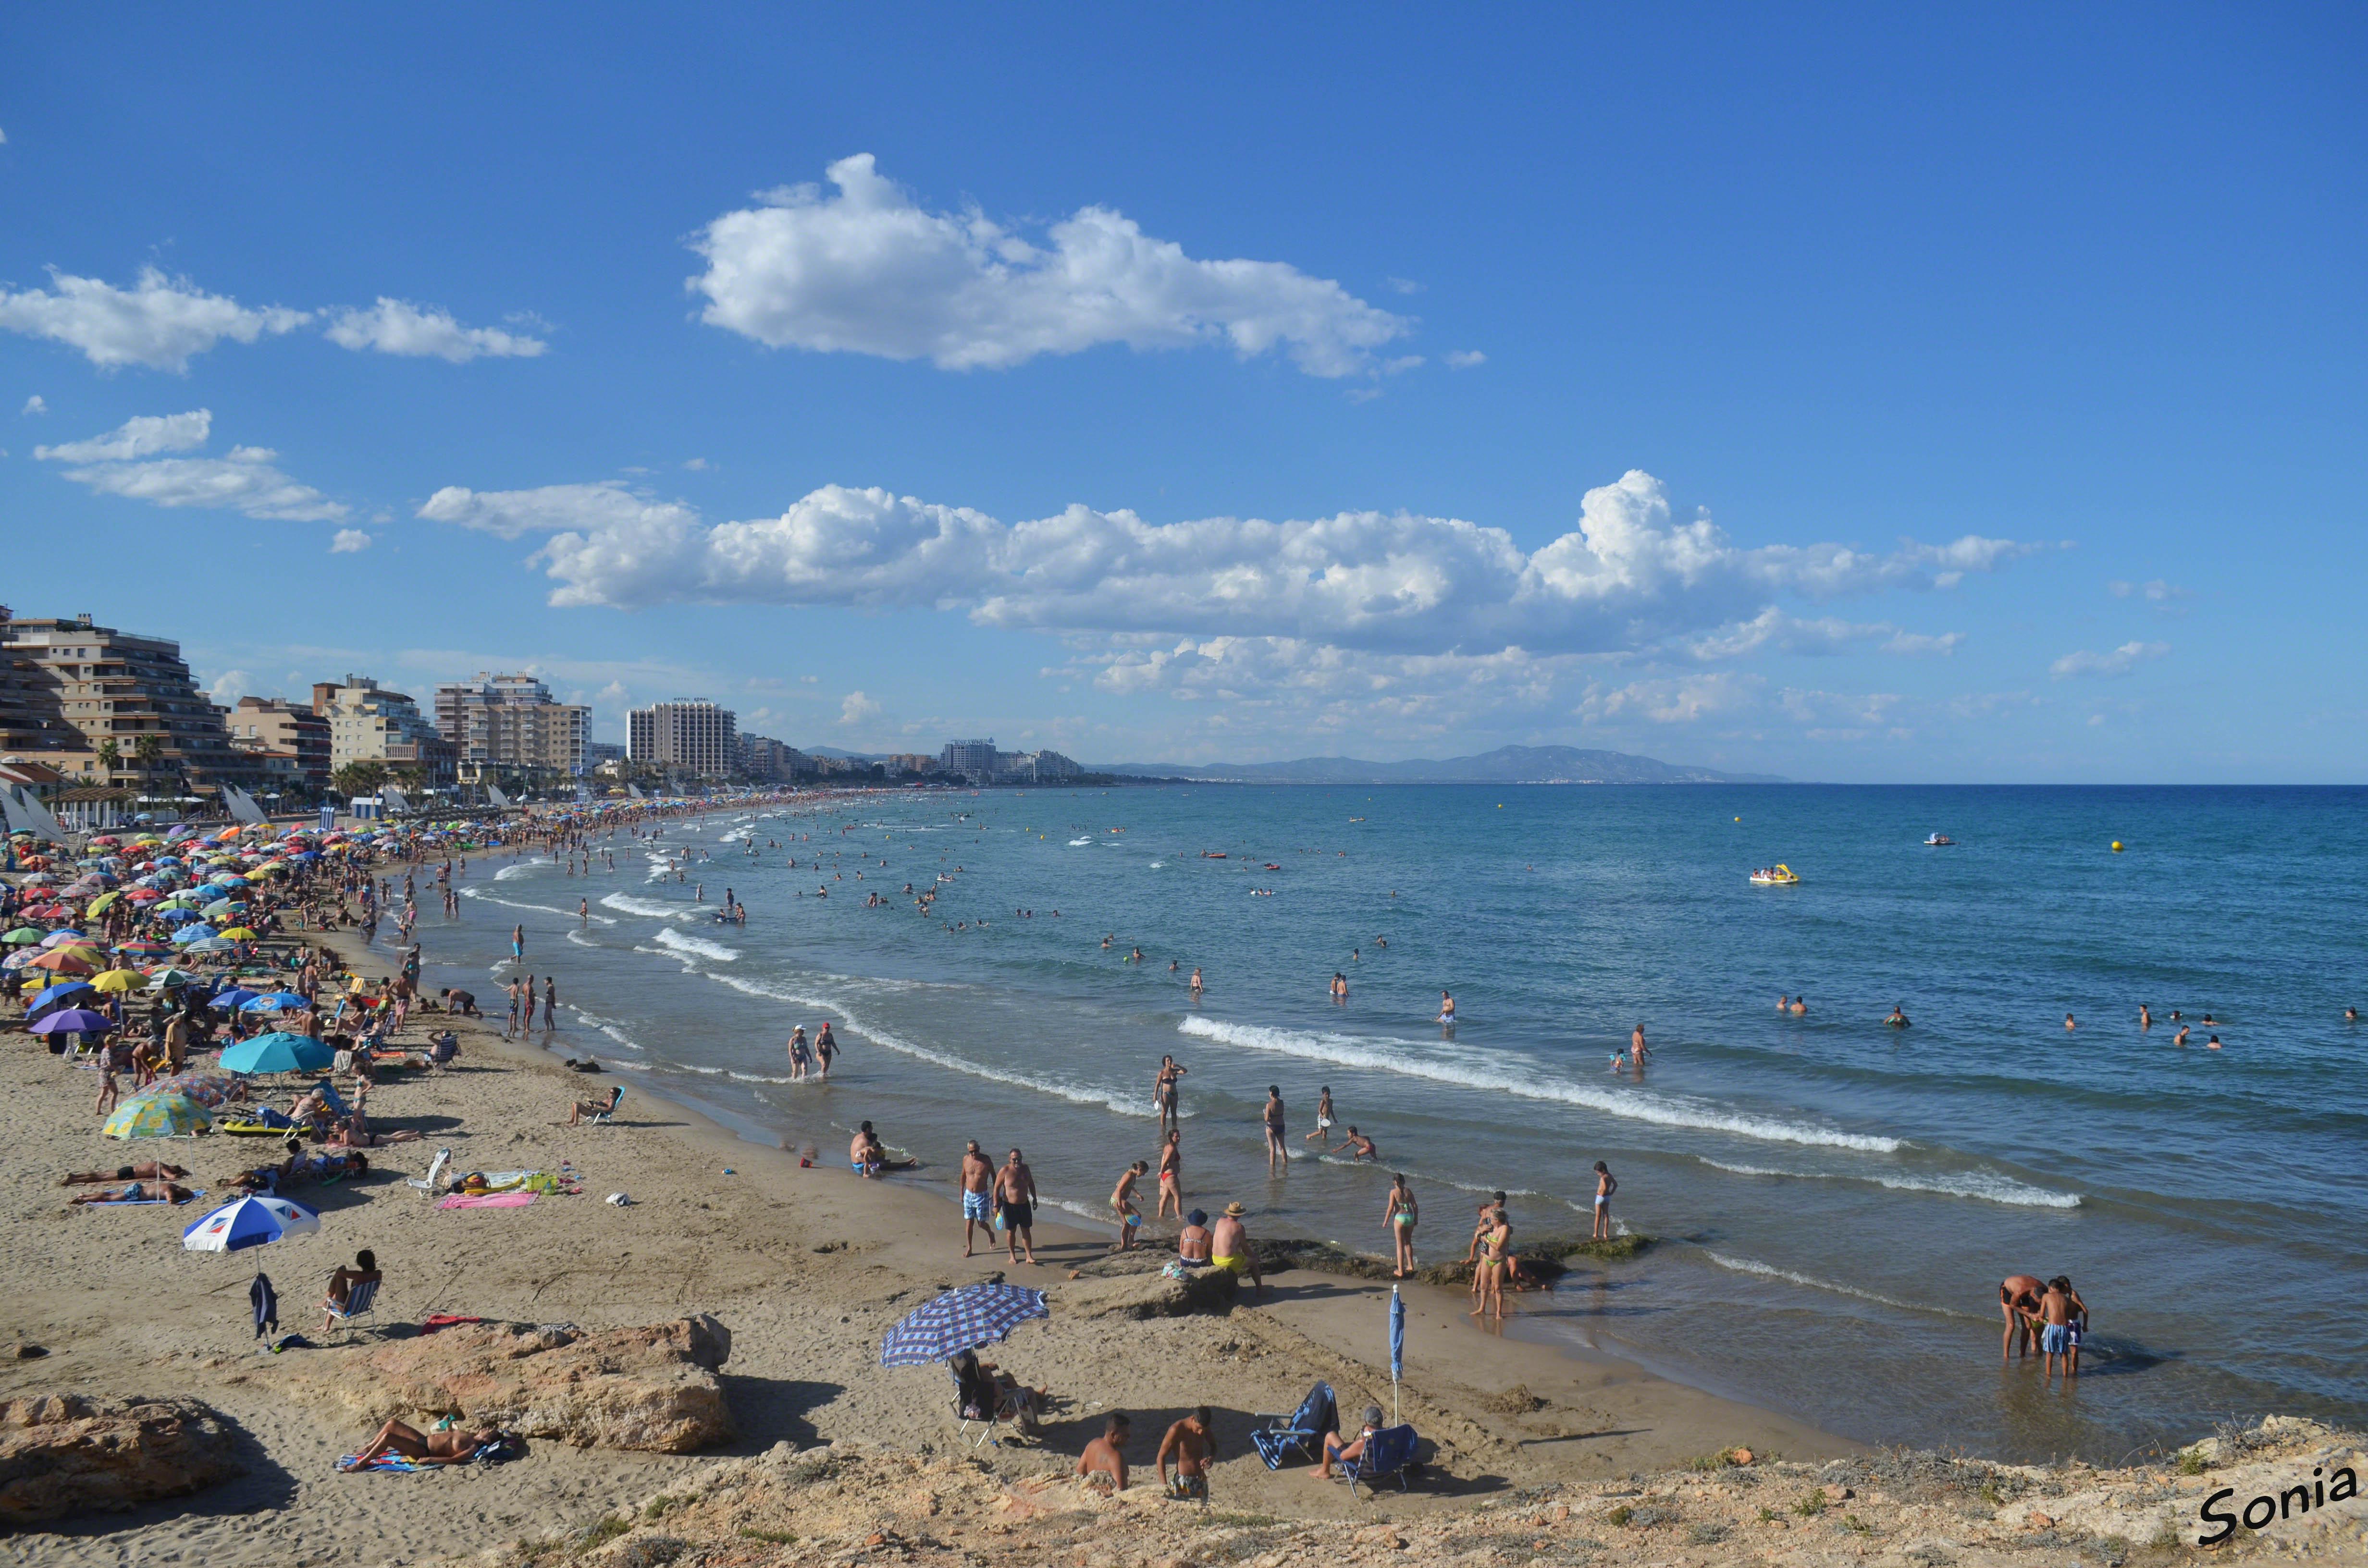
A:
959,1321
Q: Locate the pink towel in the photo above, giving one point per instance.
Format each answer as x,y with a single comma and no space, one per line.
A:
488,1201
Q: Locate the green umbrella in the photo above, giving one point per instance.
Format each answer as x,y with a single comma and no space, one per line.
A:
158,1115
22,936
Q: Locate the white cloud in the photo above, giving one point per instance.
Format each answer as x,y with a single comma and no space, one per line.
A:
2121,661
868,271
349,541
1628,577
1403,285
140,436
35,404
2158,591
1944,644
159,322
1672,699
856,708
229,686
1464,359
398,326
122,462
696,465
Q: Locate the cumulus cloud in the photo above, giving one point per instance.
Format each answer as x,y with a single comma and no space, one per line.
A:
1629,576
124,462
857,707
349,541
1669,699
229,686
1464,359
398,326
2120,660
35,404
159,322
868,271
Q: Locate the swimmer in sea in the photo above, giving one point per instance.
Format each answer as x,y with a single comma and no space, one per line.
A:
2212,1044
1800,1007
1196,973
1446,1008
2351,1015
2181,1037
1784,1004
1636,1051
2069,1025
2207,1021
1899,1018
2146,1019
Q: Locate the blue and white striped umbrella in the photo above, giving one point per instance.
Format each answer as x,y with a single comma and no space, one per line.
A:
249,1222
959,1321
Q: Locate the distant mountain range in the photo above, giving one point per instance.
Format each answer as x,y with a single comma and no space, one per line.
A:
1506,765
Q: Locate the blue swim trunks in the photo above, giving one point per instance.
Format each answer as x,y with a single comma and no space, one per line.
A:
975,1206
2054,1339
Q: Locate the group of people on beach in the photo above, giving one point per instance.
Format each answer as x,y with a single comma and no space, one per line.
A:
2048,1314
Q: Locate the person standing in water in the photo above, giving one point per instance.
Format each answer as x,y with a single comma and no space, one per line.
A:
1636,1048
1447,1009
1164,1091
1277,1152
1605,1186
1323,1116
1171,1173
1129,1216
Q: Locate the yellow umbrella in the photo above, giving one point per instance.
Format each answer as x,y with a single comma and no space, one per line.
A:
120,980
236,934
101,902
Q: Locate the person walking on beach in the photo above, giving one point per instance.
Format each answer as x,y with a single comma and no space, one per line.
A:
1130,1218
1277,1152
800,1058
977,1180
1399,1212
1015,1194
825,1050
1605,1186
1171,1173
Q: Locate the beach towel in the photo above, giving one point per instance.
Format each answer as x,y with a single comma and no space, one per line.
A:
488,1201
435,1321
140,1202
266,1302
396,1463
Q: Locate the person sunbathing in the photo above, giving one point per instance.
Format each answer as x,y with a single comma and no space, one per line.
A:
145,1169
356,1134
455,1447
596,1108
1346,1453
138,1192
365,1271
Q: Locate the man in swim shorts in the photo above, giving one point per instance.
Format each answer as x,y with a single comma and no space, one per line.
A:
1229,1249
1605,1186
2018,1304
1130,1218
1189,1445
1323,1116
2056,1332
1104,1460
977,1181
1015,1194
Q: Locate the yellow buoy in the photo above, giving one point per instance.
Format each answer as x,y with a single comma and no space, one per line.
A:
1739,819
2117,846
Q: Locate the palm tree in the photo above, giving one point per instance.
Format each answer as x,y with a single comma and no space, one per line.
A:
111,756
148,749
361,778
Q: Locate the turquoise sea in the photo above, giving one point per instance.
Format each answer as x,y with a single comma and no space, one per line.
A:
1835,1201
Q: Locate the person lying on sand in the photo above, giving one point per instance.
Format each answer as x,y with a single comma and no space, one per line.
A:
1104,1460
144,1170
455,1447
137,1192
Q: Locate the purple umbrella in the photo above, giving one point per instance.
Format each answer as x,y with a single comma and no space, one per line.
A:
74,1020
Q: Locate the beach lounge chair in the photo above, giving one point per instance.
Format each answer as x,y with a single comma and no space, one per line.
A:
360,1299
426,1184
605,1116
1280,1439
1388,1454
987,1409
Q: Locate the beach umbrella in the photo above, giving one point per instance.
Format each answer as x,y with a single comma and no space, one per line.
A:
249,1222
208,1088
155,1115
198,932
236,996
959,1321
276,1002
62,960
101,902
238,934
73,1020
1397,1348
278,1052
173,913
64,936
220,907
144,950
63,991
23,936
119,980
167,975
208,945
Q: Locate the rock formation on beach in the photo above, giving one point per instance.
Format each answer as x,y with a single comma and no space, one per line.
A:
63,1454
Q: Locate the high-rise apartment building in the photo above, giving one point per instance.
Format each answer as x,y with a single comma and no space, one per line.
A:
511,722
771,761
370,724
103,685
696,736
974,760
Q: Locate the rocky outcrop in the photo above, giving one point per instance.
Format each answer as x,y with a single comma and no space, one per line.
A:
653,1389
63,1454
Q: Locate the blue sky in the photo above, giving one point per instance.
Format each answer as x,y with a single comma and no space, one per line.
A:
1846,396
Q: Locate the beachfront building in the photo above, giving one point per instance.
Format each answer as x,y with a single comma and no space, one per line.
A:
1036,768
367,723
125,706
973,760
512,726
597,751
690,737
290,740
769,761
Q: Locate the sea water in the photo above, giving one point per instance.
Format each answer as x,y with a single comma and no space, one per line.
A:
1833,1201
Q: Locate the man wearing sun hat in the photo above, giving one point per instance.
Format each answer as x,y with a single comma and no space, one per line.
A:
1229,1246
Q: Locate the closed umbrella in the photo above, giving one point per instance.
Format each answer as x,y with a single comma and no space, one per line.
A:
249,1222
155,1115
959,1321
278,1052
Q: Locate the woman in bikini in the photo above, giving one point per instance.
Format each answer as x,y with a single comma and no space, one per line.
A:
1171,1175
1399,1212
1495,1243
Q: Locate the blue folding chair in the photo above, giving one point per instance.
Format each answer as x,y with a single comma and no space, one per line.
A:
360,1297
1278,1438
1387,1455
